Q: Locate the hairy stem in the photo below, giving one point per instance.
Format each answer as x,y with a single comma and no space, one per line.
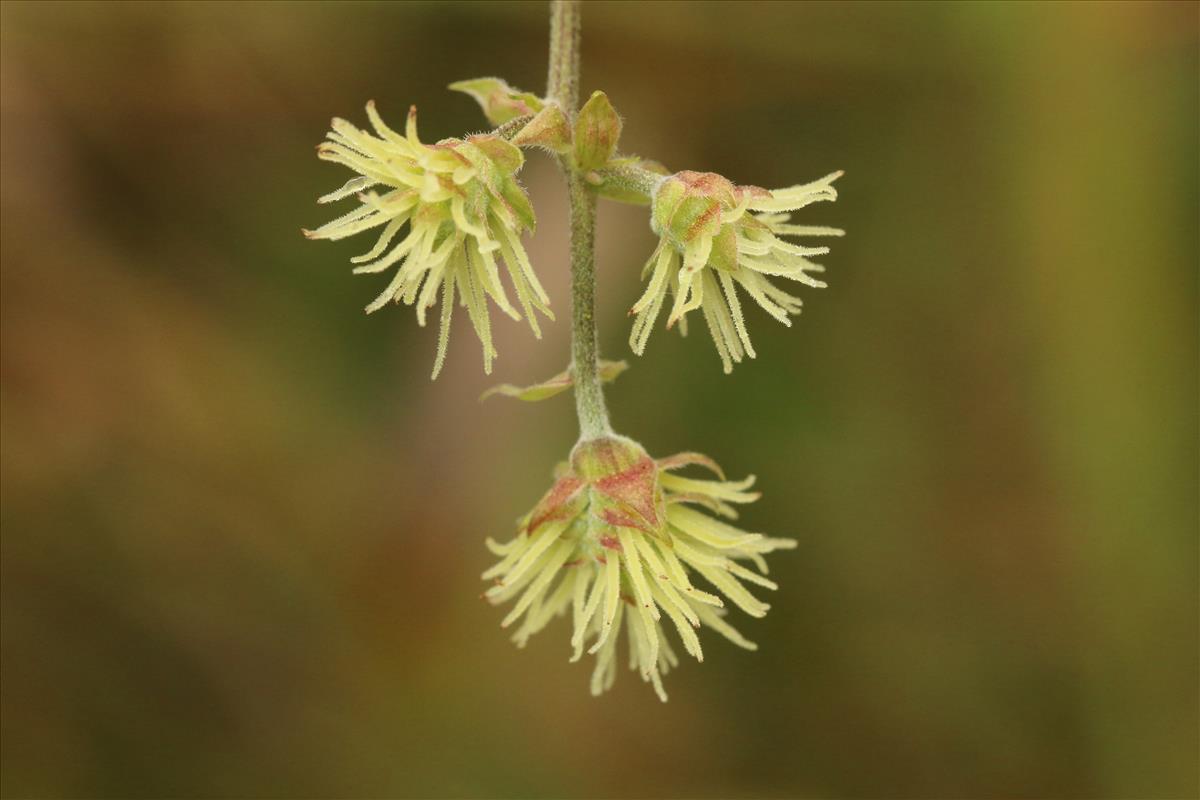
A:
629,180
563,81
589,395
563,88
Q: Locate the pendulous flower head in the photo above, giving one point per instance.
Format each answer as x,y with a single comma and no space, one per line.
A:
618,540
715,236
464,210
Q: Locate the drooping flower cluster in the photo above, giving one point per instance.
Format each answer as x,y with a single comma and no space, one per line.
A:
463,207
620,537
716,236
617,540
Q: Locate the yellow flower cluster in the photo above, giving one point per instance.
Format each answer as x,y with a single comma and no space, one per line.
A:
463,207
715,237
618,540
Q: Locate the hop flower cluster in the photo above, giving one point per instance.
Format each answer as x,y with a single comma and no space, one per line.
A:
617,540
715,237
620,538
463,207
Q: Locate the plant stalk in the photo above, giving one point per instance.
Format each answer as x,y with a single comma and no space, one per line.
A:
629,179
563,88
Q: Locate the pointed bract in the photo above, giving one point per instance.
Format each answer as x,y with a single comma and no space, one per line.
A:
549,129
499,101
608,370
597,129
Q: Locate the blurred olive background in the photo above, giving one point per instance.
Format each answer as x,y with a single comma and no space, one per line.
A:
242,530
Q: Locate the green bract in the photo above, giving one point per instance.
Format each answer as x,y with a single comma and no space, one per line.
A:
499,101
597,130
609,370
549,128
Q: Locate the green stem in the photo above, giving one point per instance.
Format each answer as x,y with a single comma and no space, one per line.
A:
589,395
626,181
563,81
563,87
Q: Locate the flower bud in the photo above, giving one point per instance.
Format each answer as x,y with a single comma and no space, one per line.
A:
597,129
688,205
624,482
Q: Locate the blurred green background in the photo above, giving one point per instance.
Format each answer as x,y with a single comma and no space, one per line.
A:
242,531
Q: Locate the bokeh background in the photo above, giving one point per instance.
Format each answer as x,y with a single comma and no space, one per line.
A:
242,531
